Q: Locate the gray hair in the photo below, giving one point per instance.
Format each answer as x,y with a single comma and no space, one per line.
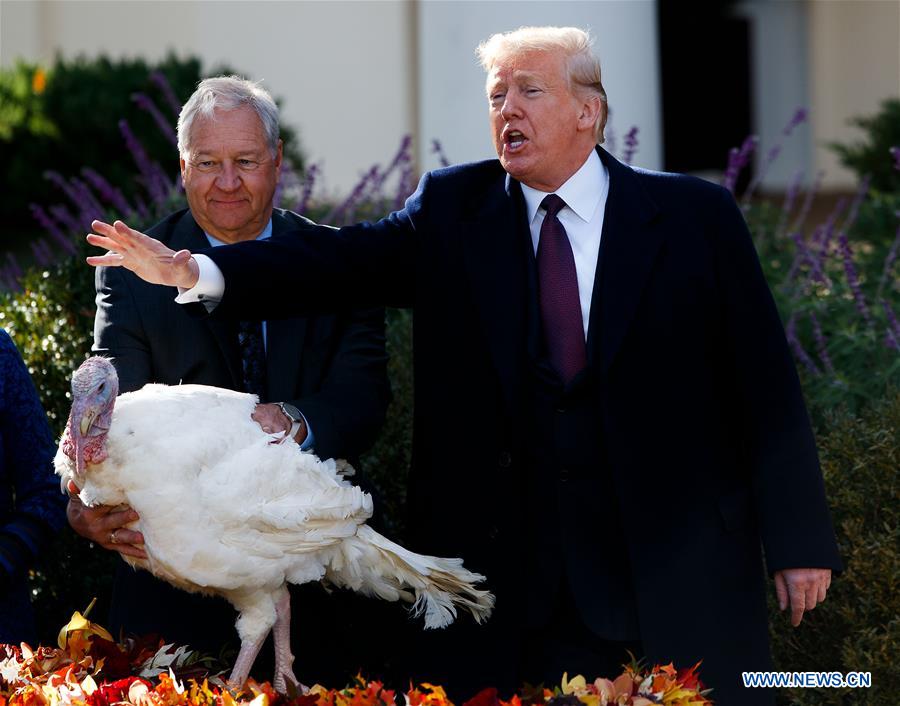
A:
574,43
228,93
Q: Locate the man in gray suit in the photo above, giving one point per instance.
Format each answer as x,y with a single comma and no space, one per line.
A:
321,379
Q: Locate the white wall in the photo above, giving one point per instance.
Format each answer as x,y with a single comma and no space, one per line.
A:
452,103
855,62
344,69
779,42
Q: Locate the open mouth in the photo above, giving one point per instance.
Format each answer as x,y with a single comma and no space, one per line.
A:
514,140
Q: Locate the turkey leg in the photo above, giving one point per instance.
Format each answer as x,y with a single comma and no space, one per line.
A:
281,632
245,659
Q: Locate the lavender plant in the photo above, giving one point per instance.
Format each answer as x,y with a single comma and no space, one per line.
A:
835,282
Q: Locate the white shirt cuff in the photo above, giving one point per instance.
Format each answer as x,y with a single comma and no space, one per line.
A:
210,287
310,439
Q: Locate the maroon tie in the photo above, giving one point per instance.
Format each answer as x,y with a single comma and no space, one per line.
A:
560,305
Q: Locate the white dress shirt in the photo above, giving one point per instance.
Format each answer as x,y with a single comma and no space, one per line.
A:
585,195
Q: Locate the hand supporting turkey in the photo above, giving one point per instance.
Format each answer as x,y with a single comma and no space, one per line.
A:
105,525
274,421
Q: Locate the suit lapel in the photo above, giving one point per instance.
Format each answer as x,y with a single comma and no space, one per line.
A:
494,245
188,235
284,339
628,247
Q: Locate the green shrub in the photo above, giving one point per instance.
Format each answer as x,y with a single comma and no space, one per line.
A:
837,289
858,626
872,157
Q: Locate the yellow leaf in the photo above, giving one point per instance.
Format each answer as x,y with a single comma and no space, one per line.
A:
80,623
578,683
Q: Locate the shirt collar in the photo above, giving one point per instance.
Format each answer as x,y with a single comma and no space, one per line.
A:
266,233
581,191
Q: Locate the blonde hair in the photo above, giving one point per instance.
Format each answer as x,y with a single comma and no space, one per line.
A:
575,44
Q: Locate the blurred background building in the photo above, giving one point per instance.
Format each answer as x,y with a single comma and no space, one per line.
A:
694,77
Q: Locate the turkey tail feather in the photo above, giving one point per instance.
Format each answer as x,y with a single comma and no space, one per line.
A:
372,564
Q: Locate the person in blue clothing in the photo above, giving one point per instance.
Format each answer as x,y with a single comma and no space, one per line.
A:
32,509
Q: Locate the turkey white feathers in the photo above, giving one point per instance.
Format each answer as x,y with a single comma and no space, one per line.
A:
226,510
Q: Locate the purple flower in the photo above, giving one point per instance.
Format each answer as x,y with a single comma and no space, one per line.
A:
889,262
65,186
798,117
821,345
46,222
348,206
404,188
81,197
161,82
287,180
65,218
860,196
892,331
309,181
853,278
438,149
890,340
807,201
142,209
893,324
737,160
789,198
150,172
895,153
90,206
144,102
821,245
801,256
112,195
790,331
814,253
631,144
402,157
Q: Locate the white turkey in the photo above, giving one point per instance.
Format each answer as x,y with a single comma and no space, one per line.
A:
226,511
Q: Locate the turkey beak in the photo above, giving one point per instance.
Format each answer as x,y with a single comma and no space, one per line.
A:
87,421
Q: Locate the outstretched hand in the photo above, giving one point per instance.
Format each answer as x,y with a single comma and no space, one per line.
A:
148,258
